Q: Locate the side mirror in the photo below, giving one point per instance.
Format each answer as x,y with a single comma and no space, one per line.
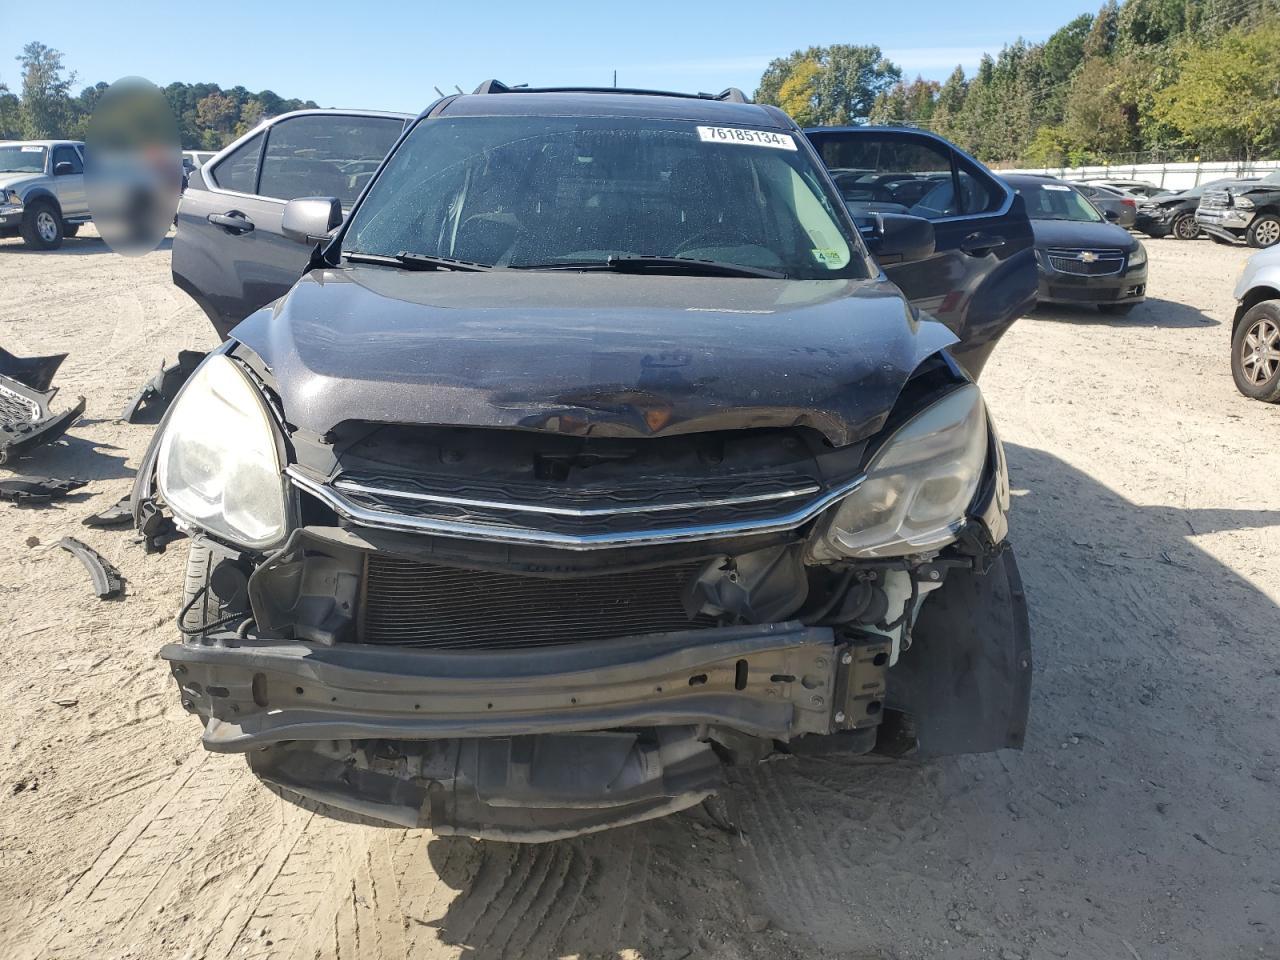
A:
63,167
309,219
899,237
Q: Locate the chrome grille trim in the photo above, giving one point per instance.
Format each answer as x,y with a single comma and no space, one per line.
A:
1108,262
386,520
353,486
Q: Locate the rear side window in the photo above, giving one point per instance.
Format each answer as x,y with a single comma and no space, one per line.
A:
238,170
68,155
325,156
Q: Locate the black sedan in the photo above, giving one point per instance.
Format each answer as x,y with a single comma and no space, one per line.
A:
1083,259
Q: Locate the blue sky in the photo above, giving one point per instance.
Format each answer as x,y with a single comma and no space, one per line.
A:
390,55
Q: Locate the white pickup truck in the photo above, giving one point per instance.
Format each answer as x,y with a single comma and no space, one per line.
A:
42,193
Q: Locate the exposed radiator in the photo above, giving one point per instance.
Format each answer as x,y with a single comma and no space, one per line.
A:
413,604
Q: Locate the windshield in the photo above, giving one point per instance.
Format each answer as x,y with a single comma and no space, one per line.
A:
16,158
554,191
1056,201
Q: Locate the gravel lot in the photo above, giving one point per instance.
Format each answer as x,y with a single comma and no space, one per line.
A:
1139,822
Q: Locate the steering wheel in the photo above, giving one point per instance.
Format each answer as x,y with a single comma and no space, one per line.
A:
724,236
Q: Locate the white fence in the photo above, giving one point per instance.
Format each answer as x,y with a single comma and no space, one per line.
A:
1170,176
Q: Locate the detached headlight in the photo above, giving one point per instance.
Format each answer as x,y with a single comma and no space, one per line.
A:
1243,203
11,197
219,465
918,485
1139,257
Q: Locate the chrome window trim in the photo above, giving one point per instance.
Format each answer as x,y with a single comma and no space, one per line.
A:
385,520
354,487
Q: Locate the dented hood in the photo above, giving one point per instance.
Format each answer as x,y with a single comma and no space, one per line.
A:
597,354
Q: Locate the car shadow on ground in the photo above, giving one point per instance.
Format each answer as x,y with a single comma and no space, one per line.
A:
71,246
1153,312
73,456
1151,758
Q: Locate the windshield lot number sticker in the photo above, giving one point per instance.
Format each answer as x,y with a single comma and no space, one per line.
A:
747,138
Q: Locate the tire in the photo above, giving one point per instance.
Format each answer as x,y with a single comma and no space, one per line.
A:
1117,309
215,588
42,226
1264,231
1184,227
1255,352
70,229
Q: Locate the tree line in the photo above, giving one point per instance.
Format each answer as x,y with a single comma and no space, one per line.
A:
1146,79
44,106
1158,79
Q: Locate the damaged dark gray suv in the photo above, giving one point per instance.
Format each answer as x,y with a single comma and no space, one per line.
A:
593,452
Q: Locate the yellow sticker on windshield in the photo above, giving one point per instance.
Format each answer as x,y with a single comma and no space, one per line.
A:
830,257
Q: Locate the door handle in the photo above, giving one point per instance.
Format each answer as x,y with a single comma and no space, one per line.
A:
976,244
233,221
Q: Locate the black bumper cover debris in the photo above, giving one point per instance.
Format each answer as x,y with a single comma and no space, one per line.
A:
29,491
119,514
25,418
107,581
158,392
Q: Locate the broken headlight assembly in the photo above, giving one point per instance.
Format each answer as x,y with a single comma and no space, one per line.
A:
219,466
918,484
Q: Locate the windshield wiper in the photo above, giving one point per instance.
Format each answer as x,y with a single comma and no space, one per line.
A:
658,264
706,268
415,261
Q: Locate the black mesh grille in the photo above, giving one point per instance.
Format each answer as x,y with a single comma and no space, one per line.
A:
414,604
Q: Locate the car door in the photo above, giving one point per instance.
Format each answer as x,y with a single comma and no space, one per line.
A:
982,274
69,187
229,253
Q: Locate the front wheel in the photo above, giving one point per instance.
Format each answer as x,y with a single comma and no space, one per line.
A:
1117,309
42,226
1255,352
1184,227
1264,231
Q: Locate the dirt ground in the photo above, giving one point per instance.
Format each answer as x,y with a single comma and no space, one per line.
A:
1140,821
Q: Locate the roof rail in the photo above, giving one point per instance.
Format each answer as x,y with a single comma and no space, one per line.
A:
728,95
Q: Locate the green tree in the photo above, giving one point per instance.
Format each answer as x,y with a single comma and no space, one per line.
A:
216,115
1102,33
950,103
797,96
846,83
10,114
45,92
1228,94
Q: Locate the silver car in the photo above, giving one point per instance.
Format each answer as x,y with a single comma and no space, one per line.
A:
42,194
1255,331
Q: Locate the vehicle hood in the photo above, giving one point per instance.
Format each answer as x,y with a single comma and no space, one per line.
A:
16,181
589,353
1070,233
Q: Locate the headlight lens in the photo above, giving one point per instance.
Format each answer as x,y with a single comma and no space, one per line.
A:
1139,257
1244,203
918,485
11,197
219,467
